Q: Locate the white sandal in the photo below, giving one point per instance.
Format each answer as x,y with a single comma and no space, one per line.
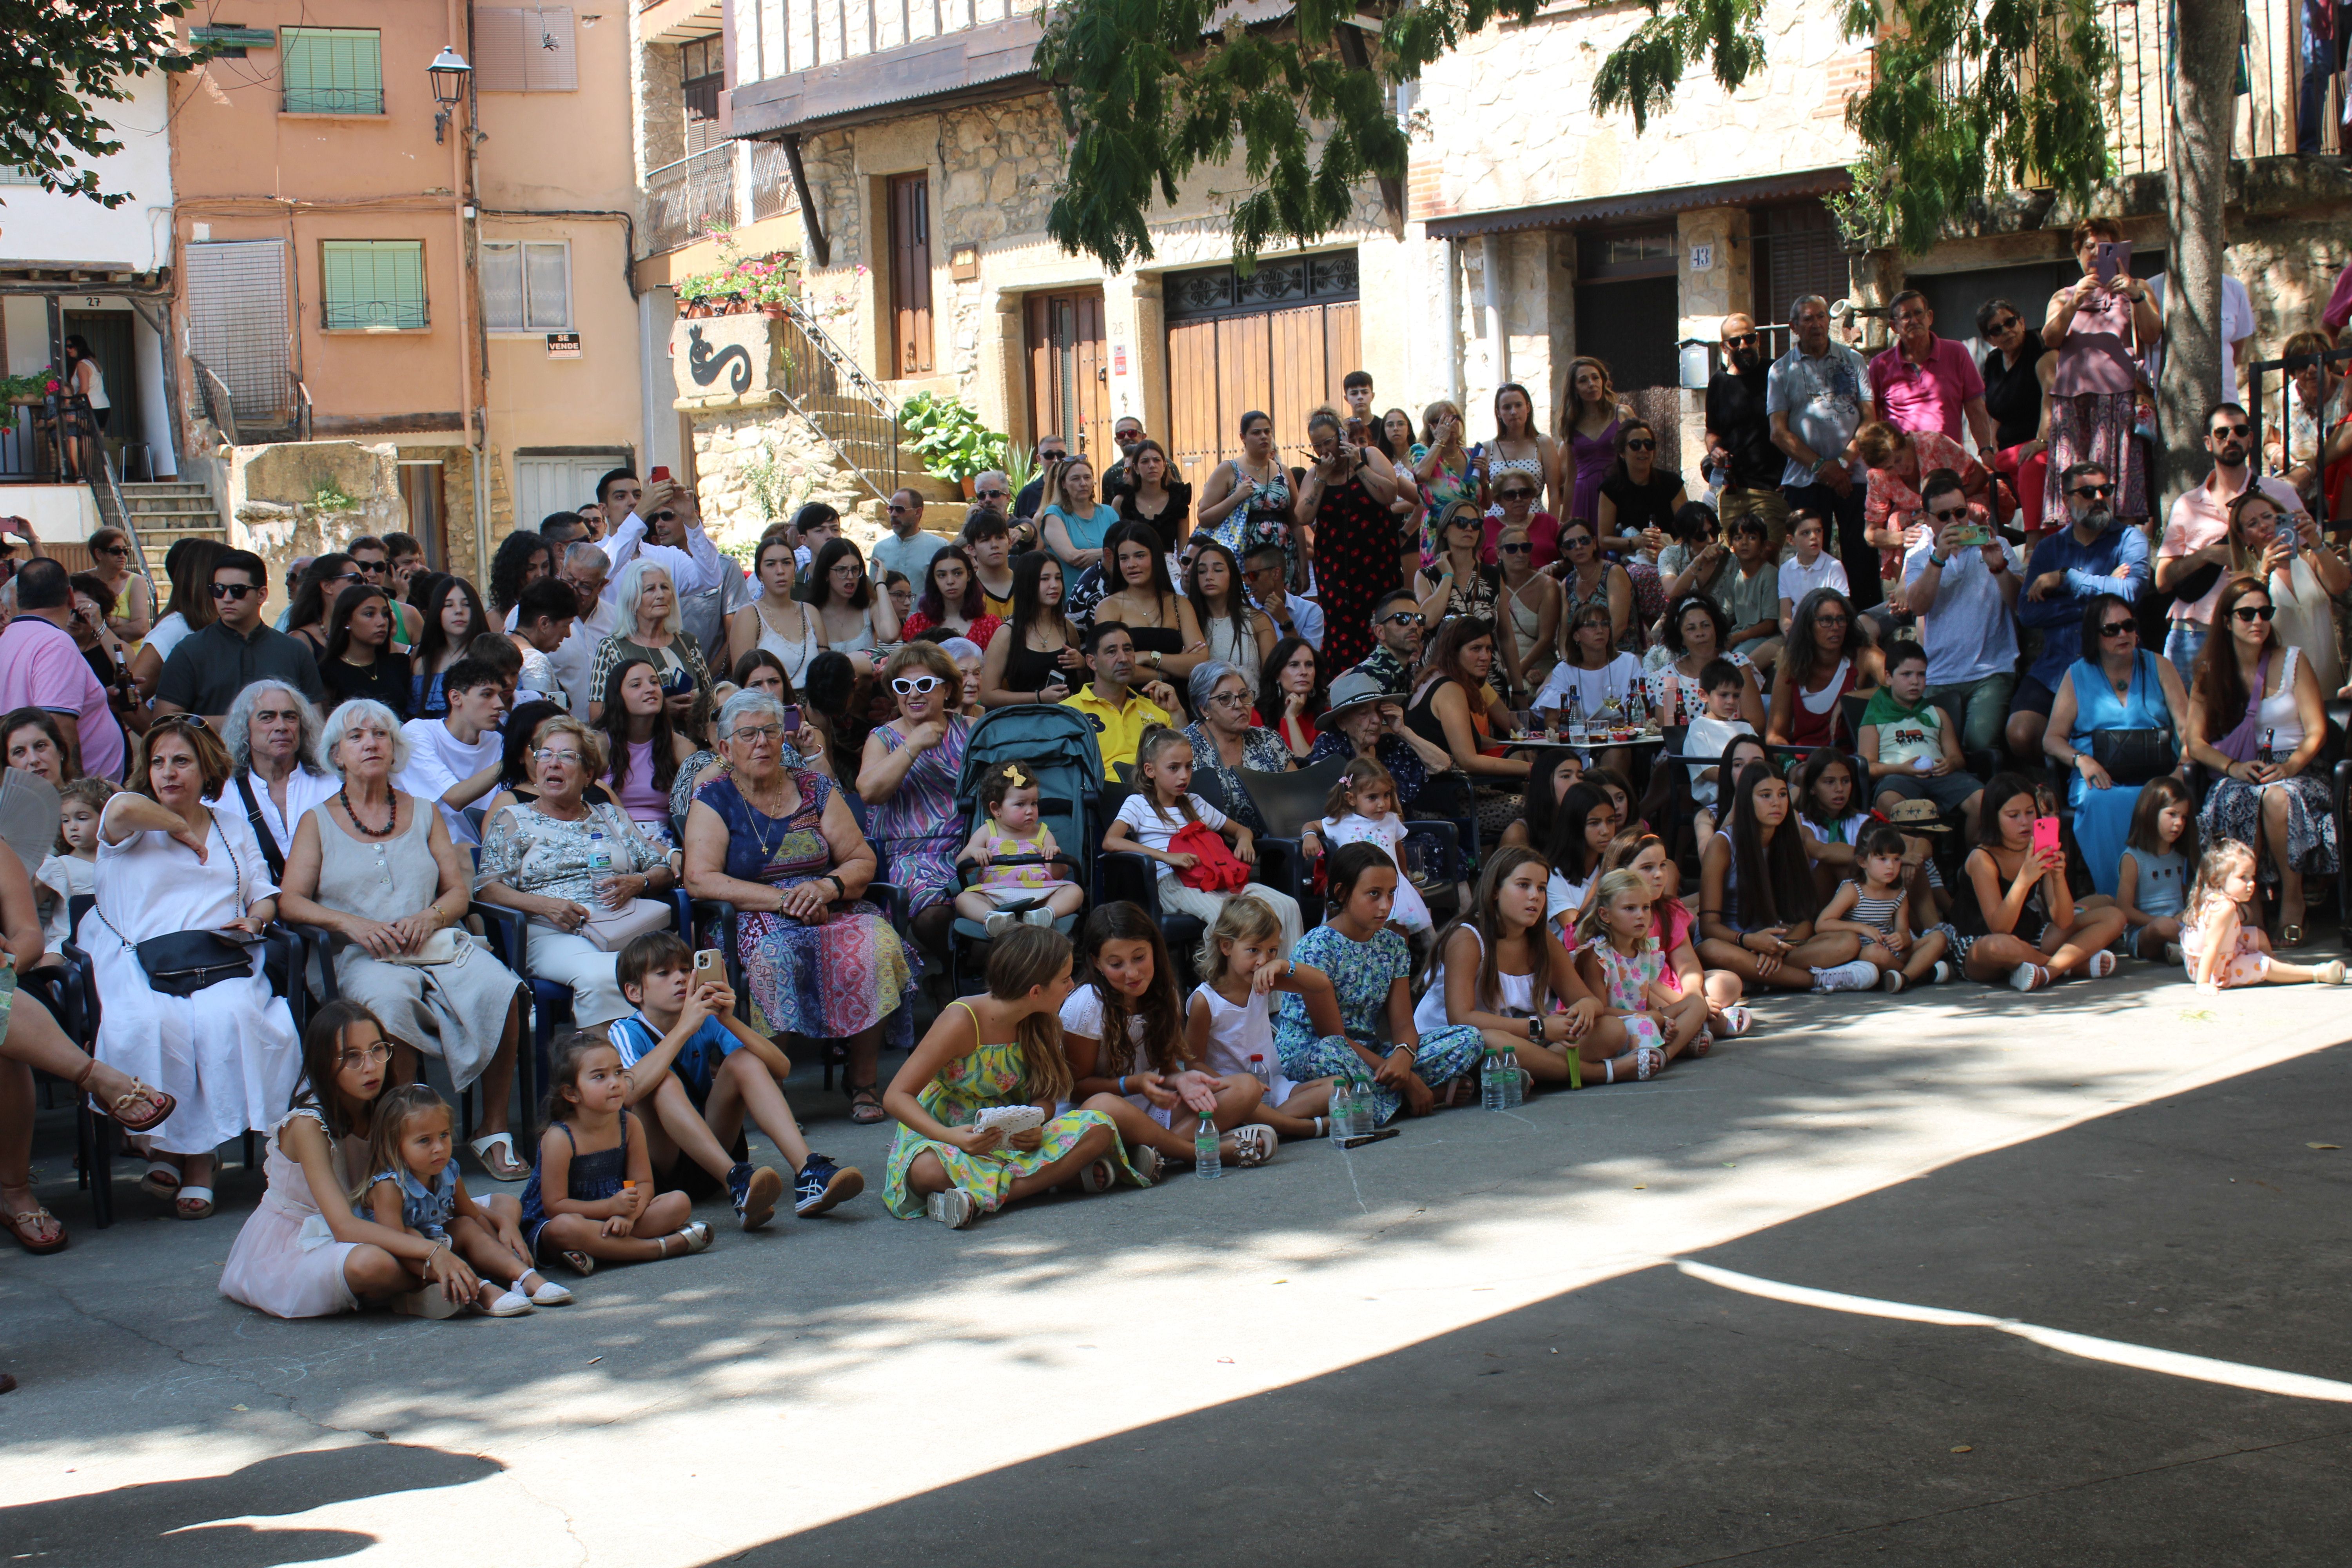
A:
1735,1020
482,1147
1255,1144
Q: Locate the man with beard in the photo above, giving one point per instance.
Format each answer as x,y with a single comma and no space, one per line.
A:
2067,568
1397,622
1817,395
2194,559
1739,433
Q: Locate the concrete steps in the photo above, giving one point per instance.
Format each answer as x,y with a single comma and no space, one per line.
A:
167,511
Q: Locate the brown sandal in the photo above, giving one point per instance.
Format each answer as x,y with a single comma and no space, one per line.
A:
864,1100
161,1105
19,1223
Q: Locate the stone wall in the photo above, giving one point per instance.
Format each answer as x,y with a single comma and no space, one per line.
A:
741,452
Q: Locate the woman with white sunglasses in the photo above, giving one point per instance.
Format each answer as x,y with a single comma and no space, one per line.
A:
908,775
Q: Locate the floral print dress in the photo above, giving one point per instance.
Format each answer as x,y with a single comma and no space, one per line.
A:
1363,974
989,1076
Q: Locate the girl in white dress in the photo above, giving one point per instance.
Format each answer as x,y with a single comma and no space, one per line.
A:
303,1253
169,864
1229,1022
1361,809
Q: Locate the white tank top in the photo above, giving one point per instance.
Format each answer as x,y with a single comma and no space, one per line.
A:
1236,647
2278,721
98,398
1518,992
793,656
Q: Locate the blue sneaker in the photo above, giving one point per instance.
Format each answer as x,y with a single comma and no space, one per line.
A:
822,1183
755,1190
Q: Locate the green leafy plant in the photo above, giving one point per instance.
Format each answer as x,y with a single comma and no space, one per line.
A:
13,388
769,483
1020,467
61,65
329,497
953,443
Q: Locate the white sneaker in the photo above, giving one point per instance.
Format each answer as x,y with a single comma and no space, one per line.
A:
2172,954
1040,915
549,1294
997,924
1860,974
953,1208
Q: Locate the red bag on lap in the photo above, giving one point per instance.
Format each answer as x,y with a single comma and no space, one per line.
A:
1218,871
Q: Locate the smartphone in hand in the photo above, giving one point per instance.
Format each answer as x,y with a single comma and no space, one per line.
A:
2111,260
2045,835
792,720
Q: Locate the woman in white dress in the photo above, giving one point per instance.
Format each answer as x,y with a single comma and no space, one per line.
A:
776,621
168,864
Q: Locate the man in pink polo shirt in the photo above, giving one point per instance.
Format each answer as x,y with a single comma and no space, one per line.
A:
41,666
1928,383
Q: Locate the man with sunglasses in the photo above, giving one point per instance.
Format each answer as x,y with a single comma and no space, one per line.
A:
992,491
2194,558
2096,555
1127,434
1397,622
209,668
1052,453
905,548
1293,614
1926,383
1964,595
1739,432
41,666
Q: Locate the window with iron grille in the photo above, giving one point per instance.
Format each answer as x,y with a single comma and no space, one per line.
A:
527,286
373,284
1328,276
333,70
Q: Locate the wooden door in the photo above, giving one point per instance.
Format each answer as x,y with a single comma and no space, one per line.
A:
1284,363
910,273
1069,373
108,333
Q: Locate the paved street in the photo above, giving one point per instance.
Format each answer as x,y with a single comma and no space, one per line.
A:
1691,1321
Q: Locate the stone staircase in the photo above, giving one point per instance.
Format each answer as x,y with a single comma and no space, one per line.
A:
164,512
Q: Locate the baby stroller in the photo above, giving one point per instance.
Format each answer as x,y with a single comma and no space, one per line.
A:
1056,746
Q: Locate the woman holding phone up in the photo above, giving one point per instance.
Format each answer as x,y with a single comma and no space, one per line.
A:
2016,919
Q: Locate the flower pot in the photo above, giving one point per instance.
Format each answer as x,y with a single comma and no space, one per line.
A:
970,486
774,312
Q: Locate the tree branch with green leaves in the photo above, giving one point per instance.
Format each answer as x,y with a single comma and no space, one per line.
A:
60,62
1965,98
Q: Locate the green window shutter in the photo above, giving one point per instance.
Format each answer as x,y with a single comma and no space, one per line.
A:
333,70
373,283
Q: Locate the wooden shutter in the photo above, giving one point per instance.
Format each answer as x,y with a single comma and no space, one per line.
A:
526,48
910,272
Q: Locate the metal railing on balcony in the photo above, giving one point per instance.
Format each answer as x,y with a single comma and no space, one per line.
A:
855,416
2272,89
772,191
685,199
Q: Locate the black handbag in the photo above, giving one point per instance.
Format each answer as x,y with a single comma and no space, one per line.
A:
183,963
2133,756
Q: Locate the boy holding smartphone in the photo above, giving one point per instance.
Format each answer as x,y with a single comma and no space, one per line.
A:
704,1070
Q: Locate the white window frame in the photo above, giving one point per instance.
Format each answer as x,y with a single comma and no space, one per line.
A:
526,328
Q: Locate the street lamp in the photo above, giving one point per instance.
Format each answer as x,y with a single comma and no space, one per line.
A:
448,71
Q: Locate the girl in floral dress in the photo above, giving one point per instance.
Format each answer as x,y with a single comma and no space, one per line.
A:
1622,960
1001,1049
1370,967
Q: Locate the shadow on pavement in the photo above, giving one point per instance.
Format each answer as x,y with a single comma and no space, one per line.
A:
1659,1419
175,1520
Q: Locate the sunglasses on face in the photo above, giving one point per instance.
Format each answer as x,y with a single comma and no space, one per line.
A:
2225,432
991,495
896,507
2249,613
2118,628
1405,618
372,568
1743,340
1950,514
1516,495
1638,444
2001,327
233,590
2093,492
1575,541
915,685
1831,621
1522,548
113,550
665,517
1053,457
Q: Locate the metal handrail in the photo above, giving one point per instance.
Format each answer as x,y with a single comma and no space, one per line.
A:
843,364
220,404
2254,374
302,407
122,510
867,438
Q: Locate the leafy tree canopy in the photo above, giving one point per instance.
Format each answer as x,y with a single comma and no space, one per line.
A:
1967,96
60,62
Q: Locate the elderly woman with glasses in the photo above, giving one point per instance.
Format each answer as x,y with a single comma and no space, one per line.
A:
1224,741
781,845
272,736
190,878
376,869
908,774
646,604
537,856
2115,685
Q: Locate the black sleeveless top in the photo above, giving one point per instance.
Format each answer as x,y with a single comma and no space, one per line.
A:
1027,670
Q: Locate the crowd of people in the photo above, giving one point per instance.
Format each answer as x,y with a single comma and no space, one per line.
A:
1851,706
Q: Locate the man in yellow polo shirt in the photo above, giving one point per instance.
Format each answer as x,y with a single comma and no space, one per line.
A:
1119,711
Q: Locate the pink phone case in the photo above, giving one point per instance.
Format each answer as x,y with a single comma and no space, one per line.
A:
2046,834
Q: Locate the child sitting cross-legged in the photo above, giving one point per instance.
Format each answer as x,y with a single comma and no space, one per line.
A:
1008,797
1876,908
1677,929
414,1187
2222,948
1229,1022
1620,960
704,1070
2152,882
1123,1030
1502,969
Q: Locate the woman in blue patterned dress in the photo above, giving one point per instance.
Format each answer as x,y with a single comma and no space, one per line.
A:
1370,965
781,845
909,776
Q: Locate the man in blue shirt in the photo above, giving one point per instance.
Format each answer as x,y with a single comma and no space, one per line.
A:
2096,555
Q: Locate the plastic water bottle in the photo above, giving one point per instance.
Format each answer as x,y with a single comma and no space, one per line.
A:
1343,1107
1574,724
1259,1071
1206,1162
1361,1120
1490,1081
600,854
1515,1087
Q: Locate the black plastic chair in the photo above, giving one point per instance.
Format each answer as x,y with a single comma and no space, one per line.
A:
831,1054
1124,876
